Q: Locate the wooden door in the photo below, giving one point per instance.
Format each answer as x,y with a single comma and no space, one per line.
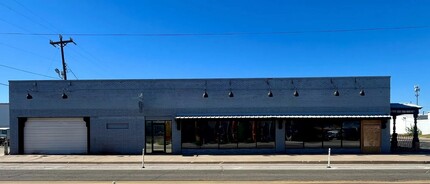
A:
371,136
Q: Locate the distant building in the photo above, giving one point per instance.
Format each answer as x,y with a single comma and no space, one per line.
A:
407,121
201,116
4,115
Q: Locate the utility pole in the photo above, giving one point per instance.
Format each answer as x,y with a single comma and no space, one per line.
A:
62,43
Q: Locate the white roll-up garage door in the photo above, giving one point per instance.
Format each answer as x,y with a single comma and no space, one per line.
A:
55,136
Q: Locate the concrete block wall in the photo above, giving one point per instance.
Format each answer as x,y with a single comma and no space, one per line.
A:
386,137
133,100
117,141
176,138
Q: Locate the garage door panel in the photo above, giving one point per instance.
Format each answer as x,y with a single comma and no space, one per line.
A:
55,136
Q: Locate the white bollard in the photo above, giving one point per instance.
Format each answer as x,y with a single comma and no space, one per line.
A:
143,158
328,159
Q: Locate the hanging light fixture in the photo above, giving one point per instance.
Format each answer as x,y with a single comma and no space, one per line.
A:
336,93
33,89
230,94
269,94
296,93
205,94
64,96
362,93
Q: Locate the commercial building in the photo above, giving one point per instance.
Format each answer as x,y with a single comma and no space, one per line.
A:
4,115
201,116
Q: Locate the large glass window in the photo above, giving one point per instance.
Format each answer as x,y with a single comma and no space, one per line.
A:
228,134
148,136
294,135
351,134
313,134
266,134
209,134
332,135
247,134
190,138
322,133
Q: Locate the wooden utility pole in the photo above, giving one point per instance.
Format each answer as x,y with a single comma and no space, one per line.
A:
62,43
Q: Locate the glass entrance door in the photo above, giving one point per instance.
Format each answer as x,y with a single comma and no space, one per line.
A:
159,141
158,137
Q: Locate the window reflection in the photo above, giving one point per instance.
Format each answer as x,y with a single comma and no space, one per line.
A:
247,134
209,134
266,136
294,134
148,137
228,134
351,134
332,135
190,138
322,133
313,135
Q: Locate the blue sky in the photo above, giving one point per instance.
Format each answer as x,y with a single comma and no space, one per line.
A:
402,54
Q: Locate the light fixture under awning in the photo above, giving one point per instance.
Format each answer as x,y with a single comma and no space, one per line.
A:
284,116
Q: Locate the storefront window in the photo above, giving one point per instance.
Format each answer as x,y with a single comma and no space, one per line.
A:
332,135
247,134
148,137
266,134
294,134
209,134
190,138
351,134
227,134
313,135
323,133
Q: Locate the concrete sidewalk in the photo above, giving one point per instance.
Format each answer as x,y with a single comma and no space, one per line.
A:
217,159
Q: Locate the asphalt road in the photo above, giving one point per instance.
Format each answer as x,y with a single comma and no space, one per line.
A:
215,175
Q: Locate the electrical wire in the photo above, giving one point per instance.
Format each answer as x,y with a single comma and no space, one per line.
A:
34,14
19,13
217,34
17,69
3,84
23,50
71,71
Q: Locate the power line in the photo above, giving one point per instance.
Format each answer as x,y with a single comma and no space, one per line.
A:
23,50
70,69
13,68
3,84
21,28
40,17
27,17
218,34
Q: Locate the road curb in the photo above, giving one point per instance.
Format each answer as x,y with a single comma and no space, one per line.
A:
228,162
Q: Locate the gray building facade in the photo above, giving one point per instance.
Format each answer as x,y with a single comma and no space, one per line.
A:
201,116
4,115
